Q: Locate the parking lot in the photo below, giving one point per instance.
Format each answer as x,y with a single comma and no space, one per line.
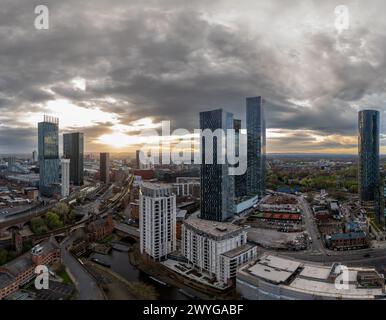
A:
269,238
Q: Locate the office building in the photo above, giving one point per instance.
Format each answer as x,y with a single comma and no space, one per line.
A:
48,155
217,186
368,162
34,156
216,248
11,163
73,149
256,147
275,278
137,159
157,220
104,171
65,170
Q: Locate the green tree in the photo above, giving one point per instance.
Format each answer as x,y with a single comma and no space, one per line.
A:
3,256
61,209
53,221
38,226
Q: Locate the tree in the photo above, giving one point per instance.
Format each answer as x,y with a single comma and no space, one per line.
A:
65,213
3,256
38,226
53,221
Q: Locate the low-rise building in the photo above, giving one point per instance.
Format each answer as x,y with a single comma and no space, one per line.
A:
275,278
345,241
21,270
99,228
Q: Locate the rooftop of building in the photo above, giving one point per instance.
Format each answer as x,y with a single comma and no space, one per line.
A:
24,262
212,228
156,185
314,279
239,250
273,268
181,214
5,279
347,236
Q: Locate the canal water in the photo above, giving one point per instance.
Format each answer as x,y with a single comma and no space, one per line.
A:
119,261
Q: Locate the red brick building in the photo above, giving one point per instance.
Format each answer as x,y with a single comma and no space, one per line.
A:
21,270
100,228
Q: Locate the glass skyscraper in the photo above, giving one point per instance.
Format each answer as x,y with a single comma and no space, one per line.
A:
217,186
73,149
104,167
256,147
48,151
368,164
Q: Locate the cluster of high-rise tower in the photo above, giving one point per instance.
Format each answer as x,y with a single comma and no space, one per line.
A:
55,173
50,163
224,195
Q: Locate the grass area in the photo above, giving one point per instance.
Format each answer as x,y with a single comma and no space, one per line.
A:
62,273
107,239
29,285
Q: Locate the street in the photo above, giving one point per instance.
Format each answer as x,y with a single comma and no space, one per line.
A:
86,284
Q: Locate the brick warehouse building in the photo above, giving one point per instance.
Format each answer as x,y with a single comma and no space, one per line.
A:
21,270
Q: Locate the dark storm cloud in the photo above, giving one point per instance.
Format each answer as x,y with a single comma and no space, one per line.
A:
170,60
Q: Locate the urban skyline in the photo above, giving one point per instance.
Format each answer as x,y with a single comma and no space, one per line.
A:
217,151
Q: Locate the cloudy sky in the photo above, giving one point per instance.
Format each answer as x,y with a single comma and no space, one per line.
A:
110,68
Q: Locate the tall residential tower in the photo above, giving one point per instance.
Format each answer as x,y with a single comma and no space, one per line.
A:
157,220
73,149
217,186
104,167
256,145
368,165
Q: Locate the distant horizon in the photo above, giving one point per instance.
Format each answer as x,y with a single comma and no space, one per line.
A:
267,154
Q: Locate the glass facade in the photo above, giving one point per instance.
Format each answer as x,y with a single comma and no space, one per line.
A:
48,150
73,149
104,167
217,186
368,164
240,180
256,147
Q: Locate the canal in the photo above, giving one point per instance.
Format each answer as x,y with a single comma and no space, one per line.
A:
119,261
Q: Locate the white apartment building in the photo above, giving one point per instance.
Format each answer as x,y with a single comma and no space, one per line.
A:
65,187
217,248
185,186
157,220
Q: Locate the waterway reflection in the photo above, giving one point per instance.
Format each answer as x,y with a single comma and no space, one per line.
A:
119,261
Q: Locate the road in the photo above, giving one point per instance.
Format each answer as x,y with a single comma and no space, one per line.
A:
317,244
86,284
130,230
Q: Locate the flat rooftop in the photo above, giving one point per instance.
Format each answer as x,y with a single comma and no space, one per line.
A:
237,251
156,185
308,278
212,228
273,269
